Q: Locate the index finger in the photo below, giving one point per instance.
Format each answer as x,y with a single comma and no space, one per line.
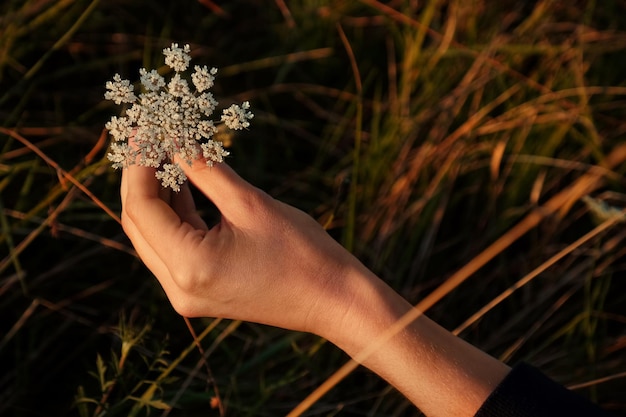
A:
232,195
152,224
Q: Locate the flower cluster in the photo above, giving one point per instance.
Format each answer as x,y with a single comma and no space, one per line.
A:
168,119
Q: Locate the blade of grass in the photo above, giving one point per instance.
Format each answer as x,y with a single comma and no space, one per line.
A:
13,257
403,18
540,269
62,41
284,10
154,385
33,234
62,173
536,325
84,234
597,381
356,158
31,8
19,323
204,356
275,61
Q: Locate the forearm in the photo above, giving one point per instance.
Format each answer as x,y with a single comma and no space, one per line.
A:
439,372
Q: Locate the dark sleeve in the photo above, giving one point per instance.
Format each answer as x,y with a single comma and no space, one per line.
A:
526,392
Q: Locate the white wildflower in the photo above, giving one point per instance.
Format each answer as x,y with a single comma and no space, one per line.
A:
120,91
178,86
236,117
120,128
213,151
121,155
134,113
206,129
177,58
169,120
189,151
151,153
206,103
151,81
203,78
172,176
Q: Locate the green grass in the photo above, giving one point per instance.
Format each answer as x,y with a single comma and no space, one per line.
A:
449,145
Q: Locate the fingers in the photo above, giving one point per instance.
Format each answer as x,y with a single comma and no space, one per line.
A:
171,239
160,236
143,248
233,196
182,203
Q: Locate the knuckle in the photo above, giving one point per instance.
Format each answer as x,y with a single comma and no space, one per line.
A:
258,205
254,198
189,283
183,307
130,214
126,223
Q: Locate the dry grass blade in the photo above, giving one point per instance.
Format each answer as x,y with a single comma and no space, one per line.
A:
62,41
537,271
597,381
60,227
62,173
17,250
214,8
154,385
203,361
403,18
217,400
286,13
510,351
276,61
356,152
19,323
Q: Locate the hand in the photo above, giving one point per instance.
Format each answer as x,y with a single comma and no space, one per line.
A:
270,263
265,261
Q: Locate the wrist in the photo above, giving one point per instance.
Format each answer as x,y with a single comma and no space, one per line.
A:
439,372
363,307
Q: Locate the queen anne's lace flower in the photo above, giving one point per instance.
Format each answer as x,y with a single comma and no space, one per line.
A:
120,155
167,119
172,176
203,78
206,129
151,81
236,117
213,151
177,58
206,103
120,91
178,87
119,128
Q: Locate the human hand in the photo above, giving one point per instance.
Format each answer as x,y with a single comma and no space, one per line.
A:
270,263
265,261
